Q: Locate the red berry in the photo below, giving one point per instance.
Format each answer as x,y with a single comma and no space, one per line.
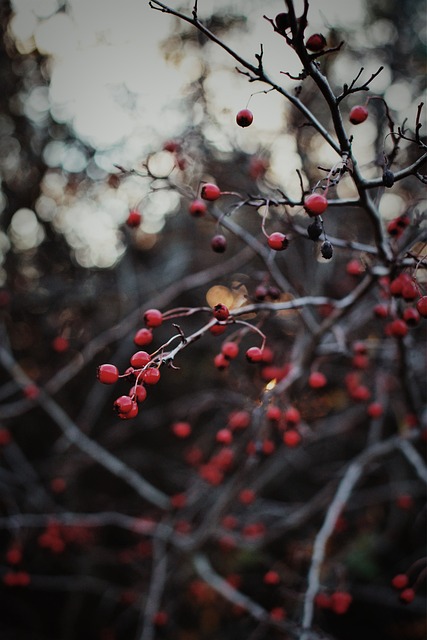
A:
140,359
14,555
317,380
217,329
254,354
181,429
5,436
132,413
178,501
381,310
197,208
247,496
411,316
291,438
400,581
219,243
153,318
271,577
278,241
422,306
274,413
375,410
230,350
221,312
358,114
315,204
172,146
322,600
239,420
151,375
393,229
138,392
316,42
224,436
410,291
60,344
244,118
143,337
210,191
340,602
134,219
292,415
123,404
107,373
407,596
398,328
221,362
354,268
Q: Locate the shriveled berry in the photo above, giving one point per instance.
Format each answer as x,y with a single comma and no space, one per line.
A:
315,230
219,243
221,312
358,114
388,178
327,250
210,191
315,204
244,118
254,354
316,42
153,318
278,241
143,337
197,208
107,373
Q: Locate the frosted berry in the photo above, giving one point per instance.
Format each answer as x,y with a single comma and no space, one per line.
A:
143,337
327,250
197,208
210,191
140,359
134,219
422,306
316,42
254,354
221,312
151,375
278,241
244,118
358,114
317,380
219,243
153,318
315,204
107,373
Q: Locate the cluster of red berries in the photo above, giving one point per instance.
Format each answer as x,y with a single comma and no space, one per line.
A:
141,370
397,226
400,582
287,422
338,601
402,288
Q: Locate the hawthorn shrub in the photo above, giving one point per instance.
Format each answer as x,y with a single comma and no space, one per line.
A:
242,453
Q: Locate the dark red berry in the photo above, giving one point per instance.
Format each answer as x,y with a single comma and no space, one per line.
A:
422,306
316,42
407,596
340,602
282,22
358,114
400,581
181,429
411,316
315,229
219,243
221,312
388,178
244,118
